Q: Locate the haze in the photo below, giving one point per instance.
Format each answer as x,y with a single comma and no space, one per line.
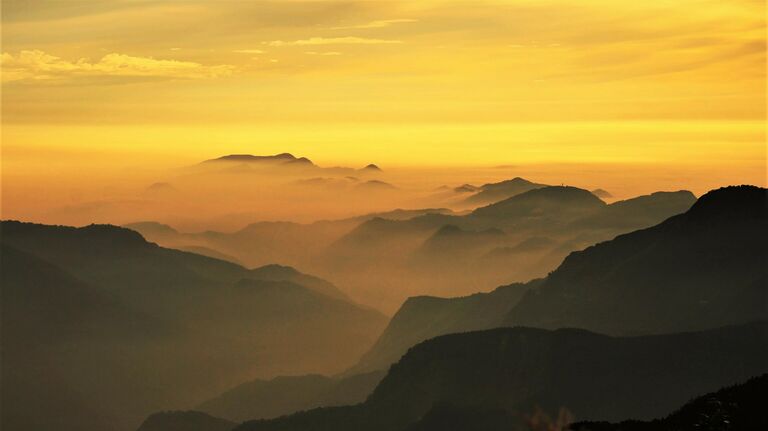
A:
626,97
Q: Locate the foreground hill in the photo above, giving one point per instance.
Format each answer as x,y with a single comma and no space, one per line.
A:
164,328
284,395
514,370
424,317
185,421
701,269
738,407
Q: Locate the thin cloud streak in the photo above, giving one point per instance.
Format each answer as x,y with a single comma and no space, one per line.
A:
348,40
37,65
375,24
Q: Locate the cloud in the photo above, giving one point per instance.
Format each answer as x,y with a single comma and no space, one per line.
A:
349,40
322,53
38,65
375,24
248,51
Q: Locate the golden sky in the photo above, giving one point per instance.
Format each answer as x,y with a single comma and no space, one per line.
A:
95,85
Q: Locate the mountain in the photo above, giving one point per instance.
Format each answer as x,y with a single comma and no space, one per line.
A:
701,269
164,328
284,395
542,205
424,317
185,421
517,370
602,194
495,192
451,240
466,188
371,168
383,258
737,407
45,314
276,272
636,212
282,158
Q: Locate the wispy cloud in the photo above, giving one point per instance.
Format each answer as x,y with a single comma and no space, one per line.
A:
322,53
375,24
38,65
248,51
349,40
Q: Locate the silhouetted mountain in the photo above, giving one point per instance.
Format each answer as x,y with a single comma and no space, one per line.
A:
452,240
701,269
552,204
185,421
602,194
72,352
531,244
151,228
466,188
738,407
595,377
276,272
372,168
227,324
424,317
248,158
284,395
209,252
495,192
639,212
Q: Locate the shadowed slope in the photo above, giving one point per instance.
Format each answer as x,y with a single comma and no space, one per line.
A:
738,407
516,369
702,269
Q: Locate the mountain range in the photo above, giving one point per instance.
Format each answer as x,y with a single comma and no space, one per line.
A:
120,327
514,371
708,271
436,252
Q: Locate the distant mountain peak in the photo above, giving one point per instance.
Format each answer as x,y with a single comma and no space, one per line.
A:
515,180
602,193
252,158
300,160
372,167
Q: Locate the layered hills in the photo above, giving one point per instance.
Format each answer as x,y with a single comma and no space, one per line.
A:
164,328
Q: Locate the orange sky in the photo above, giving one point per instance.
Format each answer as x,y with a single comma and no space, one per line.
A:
118,91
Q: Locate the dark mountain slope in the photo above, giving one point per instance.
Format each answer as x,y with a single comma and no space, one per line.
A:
424,317
286,273
226,324
702,269
596,377
185,421
738,407
74,358
284,395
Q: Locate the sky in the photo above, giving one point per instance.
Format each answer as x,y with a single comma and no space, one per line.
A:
96,89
